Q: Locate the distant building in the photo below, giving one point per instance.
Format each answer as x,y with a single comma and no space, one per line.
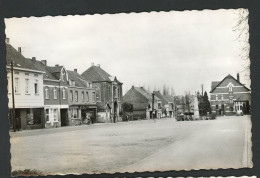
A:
167,104
229,95
28,93
142,103
179,102
109,93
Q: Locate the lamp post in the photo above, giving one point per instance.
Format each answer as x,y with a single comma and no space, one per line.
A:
13,111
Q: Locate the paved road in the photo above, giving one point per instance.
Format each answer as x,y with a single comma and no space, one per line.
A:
135,146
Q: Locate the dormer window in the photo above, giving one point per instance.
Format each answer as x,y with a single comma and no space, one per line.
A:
230,87
63,73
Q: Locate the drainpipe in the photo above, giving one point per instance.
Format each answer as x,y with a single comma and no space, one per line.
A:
13,112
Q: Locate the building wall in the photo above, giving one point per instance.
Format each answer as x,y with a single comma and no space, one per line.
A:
227,99
24,99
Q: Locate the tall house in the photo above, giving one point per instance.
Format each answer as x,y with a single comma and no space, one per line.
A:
28,93
109,93
229,95
82,99
55,94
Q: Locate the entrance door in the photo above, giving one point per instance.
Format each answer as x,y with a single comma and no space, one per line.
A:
63,117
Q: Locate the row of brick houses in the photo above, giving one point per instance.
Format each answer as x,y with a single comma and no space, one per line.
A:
51,96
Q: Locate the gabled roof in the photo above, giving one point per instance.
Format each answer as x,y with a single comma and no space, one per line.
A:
228,76
79,81
214,84
97,74
19,60
146,93
168,98
159,95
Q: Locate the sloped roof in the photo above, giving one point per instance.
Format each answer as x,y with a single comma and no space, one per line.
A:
168,98
97,74
146,93
19,60
79,80
228,76
214,84
159,95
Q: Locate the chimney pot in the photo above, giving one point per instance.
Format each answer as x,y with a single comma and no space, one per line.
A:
20,50
33,59
75,70
238,78
44,62
92,64
7,40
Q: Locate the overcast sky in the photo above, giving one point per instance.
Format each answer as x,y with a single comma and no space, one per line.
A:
180,49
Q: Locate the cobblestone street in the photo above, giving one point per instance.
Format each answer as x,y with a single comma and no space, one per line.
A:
135,146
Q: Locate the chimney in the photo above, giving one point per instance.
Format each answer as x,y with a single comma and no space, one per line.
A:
238,78
98,65
33,59
92,64
75,70
20,50
44,62
7,40
56,65
132,86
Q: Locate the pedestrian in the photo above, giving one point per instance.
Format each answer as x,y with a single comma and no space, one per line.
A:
17,123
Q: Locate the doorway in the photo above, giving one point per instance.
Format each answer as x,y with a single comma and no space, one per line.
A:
63,117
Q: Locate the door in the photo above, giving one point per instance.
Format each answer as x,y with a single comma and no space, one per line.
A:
63,117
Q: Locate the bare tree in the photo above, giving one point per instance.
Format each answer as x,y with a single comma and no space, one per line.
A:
242,28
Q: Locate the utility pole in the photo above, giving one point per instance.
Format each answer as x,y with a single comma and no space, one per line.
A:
202,89
13,111
153,106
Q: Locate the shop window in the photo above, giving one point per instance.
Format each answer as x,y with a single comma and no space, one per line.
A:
47,115
55,117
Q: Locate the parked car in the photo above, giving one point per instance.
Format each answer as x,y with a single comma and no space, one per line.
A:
239,113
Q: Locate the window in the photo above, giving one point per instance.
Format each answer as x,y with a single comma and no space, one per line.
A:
216,107
35,75
71,95
93,97
159,105
36,87
47,115
216,97
55,93
222,97
55,118
87,97
63,93
16,72
230,100
26,73
16,85
230,88
47,95
76,96
27,86
82,96
63,75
